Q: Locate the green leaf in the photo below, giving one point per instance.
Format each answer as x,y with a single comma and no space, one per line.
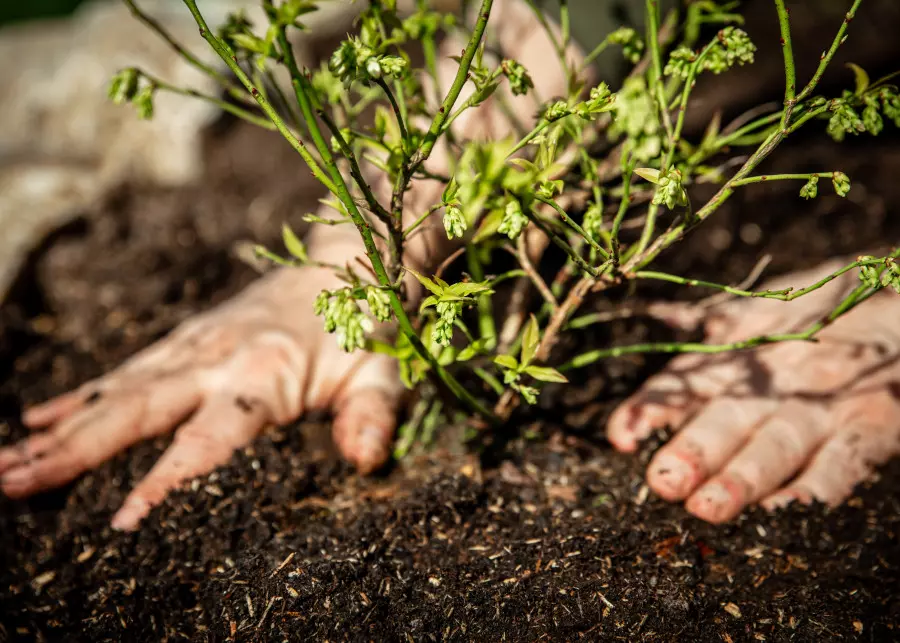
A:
450,191
425,281
648,174
467,288
546,374
862,78
489,225
292,243
506,361
429,301
530,340
470,351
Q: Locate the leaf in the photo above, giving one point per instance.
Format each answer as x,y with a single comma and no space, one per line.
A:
429,301
862,78
425,281
546,374
506,361
525,164
467,353
648,174
489,225
712,131
530,340
292,243
468,288
450,191
262,251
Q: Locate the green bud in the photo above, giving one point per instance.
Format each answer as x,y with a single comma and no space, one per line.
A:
669,190
379,303
841,183
123,86
559,109
454,221
514,220
811,189
519,80
143,101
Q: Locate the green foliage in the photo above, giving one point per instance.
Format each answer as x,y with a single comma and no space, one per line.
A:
618,154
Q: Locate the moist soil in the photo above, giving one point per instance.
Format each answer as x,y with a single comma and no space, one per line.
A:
546,533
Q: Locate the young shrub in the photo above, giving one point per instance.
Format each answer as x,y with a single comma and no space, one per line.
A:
499,192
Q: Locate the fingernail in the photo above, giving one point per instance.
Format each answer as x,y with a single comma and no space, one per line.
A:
673,476
715,499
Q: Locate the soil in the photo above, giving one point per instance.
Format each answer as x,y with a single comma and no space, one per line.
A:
549,534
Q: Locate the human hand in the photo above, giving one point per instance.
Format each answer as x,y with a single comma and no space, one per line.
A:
261,358
785,422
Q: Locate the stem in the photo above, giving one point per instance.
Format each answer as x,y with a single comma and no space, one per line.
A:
218,102
462,74
404,135
596,51
561,243
856,297
355,171
790,72
228,57
415,224
487,329
656,76
234,90
302,91
574,225
536,279
540,127
786,294
620,215
826,59
780,177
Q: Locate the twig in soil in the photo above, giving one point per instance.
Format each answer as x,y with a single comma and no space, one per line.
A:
282,565
266,611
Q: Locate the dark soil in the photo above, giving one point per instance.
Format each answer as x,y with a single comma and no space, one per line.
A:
553,537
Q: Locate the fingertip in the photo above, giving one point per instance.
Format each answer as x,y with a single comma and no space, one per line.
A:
10,457
18,482
51,411
672,474
371,449
718,501
363,429
629,425
785,497
130,515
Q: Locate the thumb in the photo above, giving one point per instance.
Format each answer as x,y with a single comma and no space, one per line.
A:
365,413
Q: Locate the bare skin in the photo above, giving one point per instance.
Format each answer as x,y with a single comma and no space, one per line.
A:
786,422
749,423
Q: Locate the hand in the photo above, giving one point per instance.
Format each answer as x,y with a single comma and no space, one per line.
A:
791,421
261,358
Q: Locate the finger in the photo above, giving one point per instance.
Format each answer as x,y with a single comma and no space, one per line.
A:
139,369
57,408
206,441
866,434
366,413
778,448
674,395
86,439
705,444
